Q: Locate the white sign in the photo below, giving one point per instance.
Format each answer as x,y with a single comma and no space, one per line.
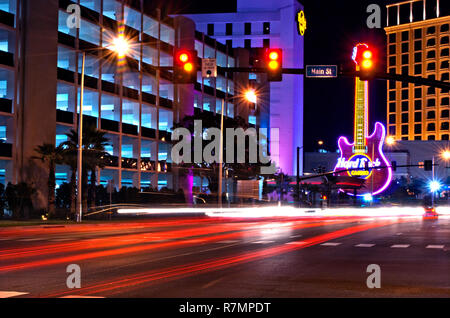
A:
209,68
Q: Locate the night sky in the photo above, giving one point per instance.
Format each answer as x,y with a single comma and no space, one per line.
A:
334,27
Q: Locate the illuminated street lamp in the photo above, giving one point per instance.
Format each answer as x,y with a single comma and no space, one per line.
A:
390,140
250,96
446,154
120,46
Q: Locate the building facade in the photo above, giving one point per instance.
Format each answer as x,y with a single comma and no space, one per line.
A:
260,24
418,44
134,101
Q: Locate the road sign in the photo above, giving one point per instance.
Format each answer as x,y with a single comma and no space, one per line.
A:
321,71
209,68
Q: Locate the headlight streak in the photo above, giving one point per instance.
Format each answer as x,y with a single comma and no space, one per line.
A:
210,265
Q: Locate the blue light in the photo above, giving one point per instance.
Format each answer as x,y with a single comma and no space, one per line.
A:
368,197
434,186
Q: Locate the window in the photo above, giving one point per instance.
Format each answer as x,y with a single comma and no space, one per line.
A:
418,117
132,18
418,104
431,115
431,30
165,120
392,118
167,34
65,97
392,130
431,42
445,52
8,6
247,43
392,60
149,84
431,91
431,127
444,137
418,92
404,129
445,101
229,29
405,59
418,57
392,49
418,45
431,66
392,107
110,107
444,28
94,5
418,69
90,103
266,28
111,9
431,102
405,47
405,94
392,95
130,112
405,35
392,37
404,106
431,137
418,33
445,113
405,70
445,65
266,43
405,118
247,28
210,29
62,25
150,27
418,129
445,40
445,77
148,116
149,55
89,32
444,125
66,58
431,54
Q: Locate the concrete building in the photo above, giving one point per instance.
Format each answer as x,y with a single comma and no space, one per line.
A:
269,23
418,44
136,105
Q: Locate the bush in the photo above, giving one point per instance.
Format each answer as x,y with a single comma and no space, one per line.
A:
18,199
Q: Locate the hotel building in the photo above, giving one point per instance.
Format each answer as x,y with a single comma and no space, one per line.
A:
418,44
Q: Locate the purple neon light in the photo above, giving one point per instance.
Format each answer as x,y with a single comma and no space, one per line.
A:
380,149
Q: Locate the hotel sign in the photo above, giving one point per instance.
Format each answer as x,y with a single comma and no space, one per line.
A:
301,22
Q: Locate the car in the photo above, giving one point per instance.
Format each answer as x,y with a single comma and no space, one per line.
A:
430,213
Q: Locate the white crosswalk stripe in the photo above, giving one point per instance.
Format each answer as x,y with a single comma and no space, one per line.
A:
9,294
330,244
364,245
400,246
435,246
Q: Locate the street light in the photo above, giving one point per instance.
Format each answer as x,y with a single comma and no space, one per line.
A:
390,140
250,96
446,154
120,46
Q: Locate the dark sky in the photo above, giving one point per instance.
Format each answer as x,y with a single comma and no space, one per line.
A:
334,27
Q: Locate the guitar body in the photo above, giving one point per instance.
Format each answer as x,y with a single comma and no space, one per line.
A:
377,180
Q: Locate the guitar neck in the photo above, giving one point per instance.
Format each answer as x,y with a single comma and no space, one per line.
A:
361,115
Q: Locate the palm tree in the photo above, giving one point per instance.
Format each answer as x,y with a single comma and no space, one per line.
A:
94,143
52,156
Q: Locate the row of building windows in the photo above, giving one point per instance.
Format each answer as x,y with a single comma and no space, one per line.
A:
418,116
431,127
405,58
418,33
444,41
229,29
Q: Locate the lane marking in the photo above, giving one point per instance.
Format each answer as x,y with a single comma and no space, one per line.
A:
400,246
365,245
330,244
435,246
262,242
9,294
295,236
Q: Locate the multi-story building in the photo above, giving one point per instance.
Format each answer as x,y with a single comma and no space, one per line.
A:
136,103
418,44
269,23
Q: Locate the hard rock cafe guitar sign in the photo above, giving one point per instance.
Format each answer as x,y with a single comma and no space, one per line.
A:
364,157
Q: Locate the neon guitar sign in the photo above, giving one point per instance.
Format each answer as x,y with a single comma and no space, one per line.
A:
364,157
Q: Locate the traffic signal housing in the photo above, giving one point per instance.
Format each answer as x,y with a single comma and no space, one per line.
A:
365,59
428,165
274,63
185,66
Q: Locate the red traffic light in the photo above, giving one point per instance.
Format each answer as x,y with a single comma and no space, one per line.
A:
274,63
185,66
184,58
365,60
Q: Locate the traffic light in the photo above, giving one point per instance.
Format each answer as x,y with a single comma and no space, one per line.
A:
185,67
364,58
428,165
274,64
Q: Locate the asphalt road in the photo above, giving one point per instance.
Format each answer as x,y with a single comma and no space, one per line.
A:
230,257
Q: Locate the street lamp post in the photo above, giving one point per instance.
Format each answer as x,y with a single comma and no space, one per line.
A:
251,97
120,46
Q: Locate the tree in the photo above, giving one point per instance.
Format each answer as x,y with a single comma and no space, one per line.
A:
94,143
50,155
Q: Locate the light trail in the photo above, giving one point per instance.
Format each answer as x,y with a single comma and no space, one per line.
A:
210,265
